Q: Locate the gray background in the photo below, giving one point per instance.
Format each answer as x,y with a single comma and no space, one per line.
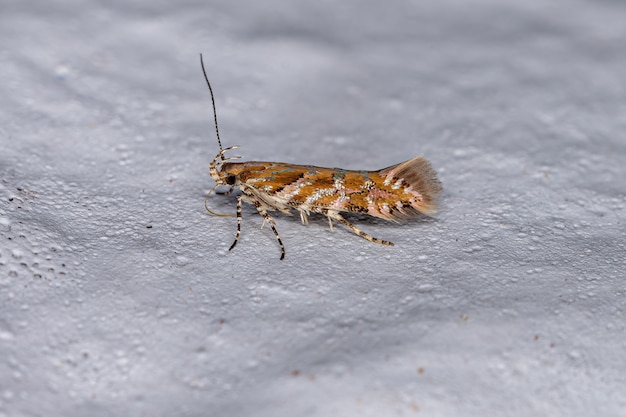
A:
118,295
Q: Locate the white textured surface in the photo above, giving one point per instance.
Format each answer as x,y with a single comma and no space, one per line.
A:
511,302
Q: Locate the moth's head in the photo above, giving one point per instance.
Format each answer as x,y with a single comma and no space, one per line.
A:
220,173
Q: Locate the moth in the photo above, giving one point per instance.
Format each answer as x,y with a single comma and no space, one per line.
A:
402,191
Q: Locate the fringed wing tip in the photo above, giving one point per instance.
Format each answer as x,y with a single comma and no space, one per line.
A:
418,176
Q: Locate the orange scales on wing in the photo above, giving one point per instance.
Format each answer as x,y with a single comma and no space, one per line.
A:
398,192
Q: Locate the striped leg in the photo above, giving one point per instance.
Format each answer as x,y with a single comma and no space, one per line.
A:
304,217
268,219
337,217
238,223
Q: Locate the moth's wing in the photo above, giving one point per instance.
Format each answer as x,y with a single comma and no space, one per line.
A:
419,183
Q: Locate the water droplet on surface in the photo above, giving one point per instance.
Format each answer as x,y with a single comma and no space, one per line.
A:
6,333
182,260
62,72
5,224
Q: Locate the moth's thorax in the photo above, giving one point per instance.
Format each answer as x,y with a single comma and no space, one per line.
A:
254,171
236,168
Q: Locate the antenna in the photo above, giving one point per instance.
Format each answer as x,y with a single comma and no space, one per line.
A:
217,131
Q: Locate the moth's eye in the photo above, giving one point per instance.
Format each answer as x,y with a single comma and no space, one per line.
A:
230,180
